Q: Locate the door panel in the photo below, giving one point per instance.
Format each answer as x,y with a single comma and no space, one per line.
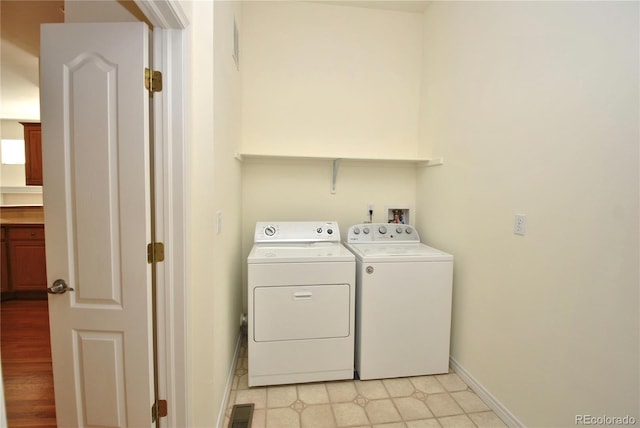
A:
91,84
97,198
102,381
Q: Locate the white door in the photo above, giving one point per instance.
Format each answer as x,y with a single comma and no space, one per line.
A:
95,114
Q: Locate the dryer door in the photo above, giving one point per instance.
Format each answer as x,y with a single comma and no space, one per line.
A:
301,312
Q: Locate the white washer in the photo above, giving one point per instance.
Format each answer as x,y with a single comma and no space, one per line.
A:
403,302
301,304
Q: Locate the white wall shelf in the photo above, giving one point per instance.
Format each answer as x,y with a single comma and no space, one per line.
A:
416,161
419,162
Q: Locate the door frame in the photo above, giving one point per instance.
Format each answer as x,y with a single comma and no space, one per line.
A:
169,55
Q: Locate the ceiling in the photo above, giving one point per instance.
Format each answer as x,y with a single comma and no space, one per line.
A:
20,46
19,49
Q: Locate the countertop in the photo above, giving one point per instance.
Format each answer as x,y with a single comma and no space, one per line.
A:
24,216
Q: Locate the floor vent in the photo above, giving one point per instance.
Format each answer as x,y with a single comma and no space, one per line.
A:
241,416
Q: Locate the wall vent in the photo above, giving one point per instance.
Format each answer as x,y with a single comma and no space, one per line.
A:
241,416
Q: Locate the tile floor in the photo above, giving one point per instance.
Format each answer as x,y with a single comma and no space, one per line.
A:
424,401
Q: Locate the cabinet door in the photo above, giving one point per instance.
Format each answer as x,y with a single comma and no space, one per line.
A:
28,267
33,153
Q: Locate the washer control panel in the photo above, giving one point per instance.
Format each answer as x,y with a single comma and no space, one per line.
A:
297,231
382,232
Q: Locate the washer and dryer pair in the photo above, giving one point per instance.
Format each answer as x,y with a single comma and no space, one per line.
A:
316,308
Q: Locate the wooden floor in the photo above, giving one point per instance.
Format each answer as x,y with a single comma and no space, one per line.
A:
26,364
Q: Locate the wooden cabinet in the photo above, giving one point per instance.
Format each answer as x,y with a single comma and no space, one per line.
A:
33,153
24,255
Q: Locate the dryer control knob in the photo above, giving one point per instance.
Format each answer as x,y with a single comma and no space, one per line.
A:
330,231
369,269
398,229
356,231
382,230
269,230
408,230
366,230
319,230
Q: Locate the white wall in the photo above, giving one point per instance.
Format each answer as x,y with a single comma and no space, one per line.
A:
535,108
202,379
329,80
227,262
214,262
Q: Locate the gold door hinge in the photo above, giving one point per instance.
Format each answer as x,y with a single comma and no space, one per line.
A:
152,81
159,410
155,252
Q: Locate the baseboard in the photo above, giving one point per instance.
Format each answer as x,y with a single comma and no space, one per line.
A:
230,378
482,392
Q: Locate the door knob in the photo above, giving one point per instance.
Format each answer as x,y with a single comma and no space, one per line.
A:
59,286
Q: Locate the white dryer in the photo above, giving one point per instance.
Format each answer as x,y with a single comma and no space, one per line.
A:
301,304
403,302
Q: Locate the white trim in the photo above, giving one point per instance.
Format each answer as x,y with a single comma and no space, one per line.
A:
498,408
170,48
169,210
167,14
229,385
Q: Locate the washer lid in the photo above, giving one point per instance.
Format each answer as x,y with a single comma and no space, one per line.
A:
398,252
303,252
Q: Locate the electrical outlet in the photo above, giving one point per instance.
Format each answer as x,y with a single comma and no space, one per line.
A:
370,213
520,224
